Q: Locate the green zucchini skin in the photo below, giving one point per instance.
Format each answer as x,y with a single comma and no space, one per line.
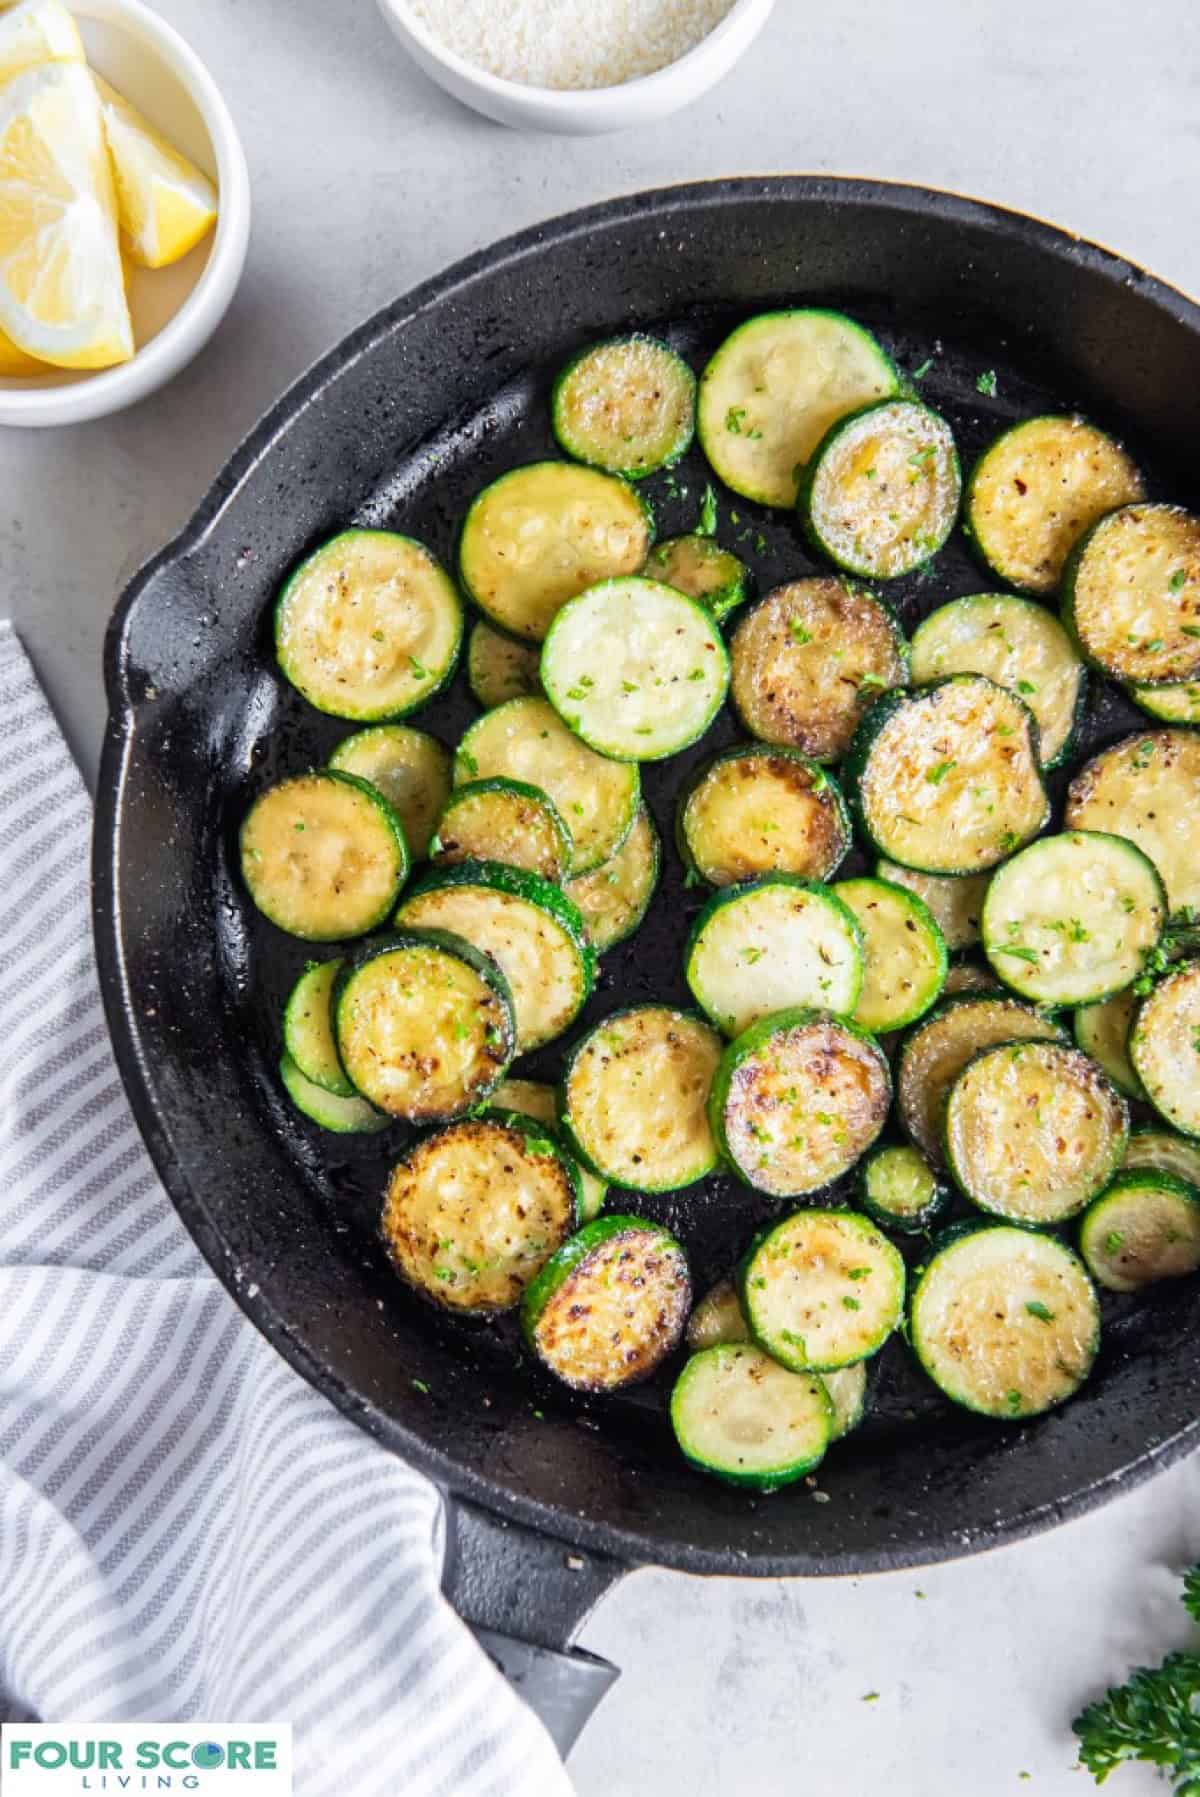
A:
641,452
959,690
618,628
1107,912
1143,1227
899,983
735,420
890,1182
308,1038
854,558
498,1032
1034,564
702,569
1038,1320
639,862
471,1244
1013,639
838,1251
759,1056
578,1294
531,889
309,921
1171,655
422,683
613,1158
1006,1159
333,1111
742,1376
823,905
783,852
555,855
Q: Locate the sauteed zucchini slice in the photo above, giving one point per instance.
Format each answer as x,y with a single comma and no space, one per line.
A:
323,856
526,925
900,1189
948,779
1166,1152
340,1115
936,1050
703,570
1035,491
369,626
308,1037
1173,704
904,954
1147,788
1102,1031
409,767
1144,1228
1164,1047
610,1305
1006,1322
1019,645
533,1099
1131,594
500,668
1033,1131
880,495
1074,918
774,387
797,1099
526,740
955,901
627,406
424,1024
634,1098
503,820
756,810
741,1416
809,659
473,1211
635,668
614,897
780,942
821,1290
718,1320
542,533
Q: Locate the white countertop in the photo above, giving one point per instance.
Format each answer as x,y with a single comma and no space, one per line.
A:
367,180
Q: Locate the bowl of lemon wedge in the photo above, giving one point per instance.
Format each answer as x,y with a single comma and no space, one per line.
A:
124,208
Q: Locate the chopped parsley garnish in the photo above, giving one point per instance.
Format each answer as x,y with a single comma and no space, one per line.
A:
1015,949
936,775
798,633
735,424
420,1385
858,1273
420,672
1178,580
851,1303
1113,1242
918,374
987,384
753,955
1026,686
468,760
708,514
1039,1310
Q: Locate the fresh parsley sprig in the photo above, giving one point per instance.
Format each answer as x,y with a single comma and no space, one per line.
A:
1153,1718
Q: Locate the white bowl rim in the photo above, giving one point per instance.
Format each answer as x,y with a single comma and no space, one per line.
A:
110,389
578,101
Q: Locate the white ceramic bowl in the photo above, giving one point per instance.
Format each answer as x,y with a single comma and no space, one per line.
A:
175,310
587,111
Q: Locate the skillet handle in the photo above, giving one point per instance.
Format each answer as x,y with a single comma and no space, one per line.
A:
525,1597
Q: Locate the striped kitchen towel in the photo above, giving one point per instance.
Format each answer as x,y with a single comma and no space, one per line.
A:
188,1532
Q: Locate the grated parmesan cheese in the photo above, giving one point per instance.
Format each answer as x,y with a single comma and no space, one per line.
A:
570,43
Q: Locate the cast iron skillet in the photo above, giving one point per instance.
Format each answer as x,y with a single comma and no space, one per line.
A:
552,1499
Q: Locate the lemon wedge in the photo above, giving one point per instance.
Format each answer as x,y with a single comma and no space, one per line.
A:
62,287
165,205
14,362
34,32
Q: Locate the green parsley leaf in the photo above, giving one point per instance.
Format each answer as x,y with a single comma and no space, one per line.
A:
918,374
1039,1310
707,526
936,775
798,633
987,383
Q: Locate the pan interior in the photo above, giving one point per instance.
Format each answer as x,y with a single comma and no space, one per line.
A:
400,432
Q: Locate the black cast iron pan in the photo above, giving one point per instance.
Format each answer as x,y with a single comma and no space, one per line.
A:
551,1499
